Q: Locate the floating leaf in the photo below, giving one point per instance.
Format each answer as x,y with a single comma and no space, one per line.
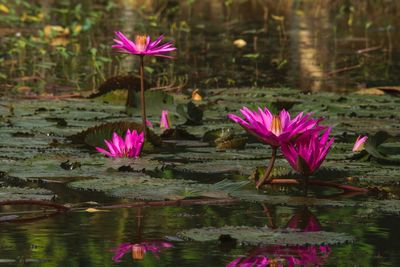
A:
143,187
18,193
265,236
96,135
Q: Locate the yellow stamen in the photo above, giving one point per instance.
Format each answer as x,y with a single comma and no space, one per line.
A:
196,95
138,252
276,125
140,42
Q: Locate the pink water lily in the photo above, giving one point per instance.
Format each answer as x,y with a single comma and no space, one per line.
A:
139,250
118,147
359,144
164,122
274,129
308,152
143,46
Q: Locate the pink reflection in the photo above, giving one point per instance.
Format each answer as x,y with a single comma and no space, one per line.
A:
279,256
139,250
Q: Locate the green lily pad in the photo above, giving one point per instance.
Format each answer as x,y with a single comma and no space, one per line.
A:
246,235
96,135
143,187
96,166
19,193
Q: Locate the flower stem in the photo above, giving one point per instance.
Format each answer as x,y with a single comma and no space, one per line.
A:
320,183
58,207
143,104
269,168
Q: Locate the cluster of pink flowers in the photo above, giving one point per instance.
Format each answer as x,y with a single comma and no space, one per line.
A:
303,141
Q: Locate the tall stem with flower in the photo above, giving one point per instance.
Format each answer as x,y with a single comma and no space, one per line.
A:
142,46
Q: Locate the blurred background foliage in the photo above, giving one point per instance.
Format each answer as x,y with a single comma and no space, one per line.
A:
64,46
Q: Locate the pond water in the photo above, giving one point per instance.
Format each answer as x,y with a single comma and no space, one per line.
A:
200,208
85,239
191,201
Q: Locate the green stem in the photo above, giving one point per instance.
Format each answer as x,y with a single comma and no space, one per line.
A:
269,168
143,104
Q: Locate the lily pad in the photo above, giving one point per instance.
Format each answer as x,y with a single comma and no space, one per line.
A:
96,135
246,235
143,187
96,166
18,193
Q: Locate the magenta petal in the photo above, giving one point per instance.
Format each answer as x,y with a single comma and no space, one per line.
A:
359,144
105,152
274,130
310,147
129,147
164,121
149,48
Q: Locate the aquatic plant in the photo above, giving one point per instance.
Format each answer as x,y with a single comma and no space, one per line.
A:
139,250
120,148
274,130
359,144
142,46
165,122
307,152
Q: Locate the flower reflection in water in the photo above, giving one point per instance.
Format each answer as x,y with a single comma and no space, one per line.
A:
279,256
139,250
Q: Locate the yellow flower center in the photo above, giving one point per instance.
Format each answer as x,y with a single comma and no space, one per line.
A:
140,42
276,125
138,252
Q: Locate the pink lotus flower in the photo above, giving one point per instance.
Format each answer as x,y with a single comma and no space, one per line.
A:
139,250
308,152
164,122
271,129
142,46
120,148
359,144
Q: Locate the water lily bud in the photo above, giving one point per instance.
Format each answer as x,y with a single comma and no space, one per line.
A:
239,43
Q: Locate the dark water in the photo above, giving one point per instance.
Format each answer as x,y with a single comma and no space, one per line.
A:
86,239
317,45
